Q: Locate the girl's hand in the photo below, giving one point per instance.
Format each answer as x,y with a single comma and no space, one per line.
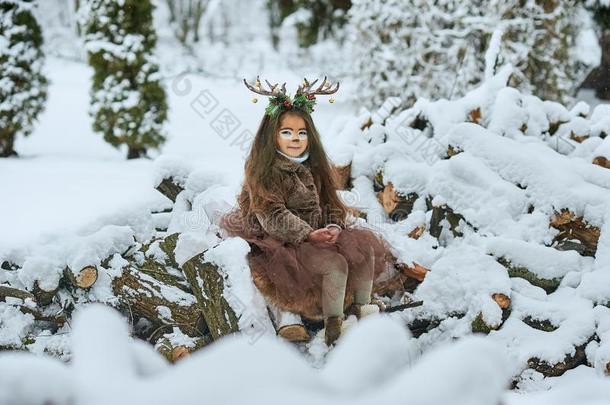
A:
320,235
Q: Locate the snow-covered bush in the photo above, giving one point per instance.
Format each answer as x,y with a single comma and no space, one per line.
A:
418,48
128,103
23,87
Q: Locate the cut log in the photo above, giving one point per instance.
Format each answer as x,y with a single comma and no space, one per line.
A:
543,325
475,115
43,296
502,300
388,287
174,353
444,212
602,161
164,269
548,285
397,206
565,245
7,291
208,286
38,315
451,151
85,278
169,188
578,138
417,271
570,361
480,326
417,232
406,279
575,228
168,246
143,296
420,326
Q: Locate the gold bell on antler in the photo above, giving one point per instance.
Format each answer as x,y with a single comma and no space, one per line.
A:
254,100
331,100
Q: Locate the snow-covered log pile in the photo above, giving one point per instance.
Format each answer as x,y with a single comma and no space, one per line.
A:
506,199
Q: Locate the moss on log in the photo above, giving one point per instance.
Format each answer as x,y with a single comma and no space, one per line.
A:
143,296
208,286
548,285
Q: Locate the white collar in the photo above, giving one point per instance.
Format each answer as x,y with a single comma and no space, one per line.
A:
300,159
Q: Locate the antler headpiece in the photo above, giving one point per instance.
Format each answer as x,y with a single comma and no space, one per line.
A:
304,98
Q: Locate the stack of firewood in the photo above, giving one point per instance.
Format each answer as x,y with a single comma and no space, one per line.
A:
574,234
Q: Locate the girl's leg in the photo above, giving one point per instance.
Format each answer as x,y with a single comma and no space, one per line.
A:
361,279
333,268
334,282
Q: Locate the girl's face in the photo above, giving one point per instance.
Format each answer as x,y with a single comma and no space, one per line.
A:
292,135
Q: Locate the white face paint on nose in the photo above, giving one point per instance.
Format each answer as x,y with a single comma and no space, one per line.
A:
292,135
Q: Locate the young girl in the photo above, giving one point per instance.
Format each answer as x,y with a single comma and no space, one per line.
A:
305,257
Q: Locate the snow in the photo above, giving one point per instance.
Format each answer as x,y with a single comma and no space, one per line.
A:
74,201
109,367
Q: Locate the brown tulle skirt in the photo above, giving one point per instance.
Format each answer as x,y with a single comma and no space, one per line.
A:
290,275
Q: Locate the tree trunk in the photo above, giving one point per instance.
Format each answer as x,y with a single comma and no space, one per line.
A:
208,287
570,361
7,141
10,292
169,188
44,297
134,152
143,296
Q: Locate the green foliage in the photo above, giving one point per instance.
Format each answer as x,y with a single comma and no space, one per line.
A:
23,87
282,102
128,104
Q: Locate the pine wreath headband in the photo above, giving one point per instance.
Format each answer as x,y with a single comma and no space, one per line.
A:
304,98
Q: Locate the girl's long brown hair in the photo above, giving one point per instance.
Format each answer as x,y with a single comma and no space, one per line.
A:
261,182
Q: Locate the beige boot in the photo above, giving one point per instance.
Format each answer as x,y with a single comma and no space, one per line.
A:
294,333
332,329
